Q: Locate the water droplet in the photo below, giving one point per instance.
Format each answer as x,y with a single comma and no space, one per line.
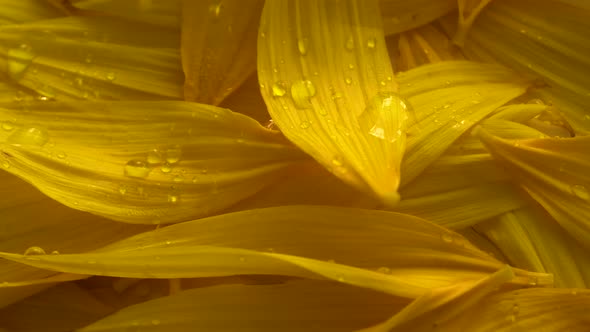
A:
166,168
515,309
154,157
304,124
79,81
301,92
178,178
155,322
278,89
173,198
383,116
5,164
137,169
111,76
88,58
31,251
19,59
337,162
29,136
350,66
302,46
173,154
348,80
7,126
371,43
447,238
384,270
533,281
581,192
322,111
61,155
349,43
215,10
122,190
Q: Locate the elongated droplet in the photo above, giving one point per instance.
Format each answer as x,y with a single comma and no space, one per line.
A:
19,59
31,251
301,92
581,192
302,46
31,136
137,169
371,43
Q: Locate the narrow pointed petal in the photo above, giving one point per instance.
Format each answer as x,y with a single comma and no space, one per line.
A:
326,78
532,240
295,306
143,162
389,252
554,171
435,308
218,47
401,15
96,58
449,98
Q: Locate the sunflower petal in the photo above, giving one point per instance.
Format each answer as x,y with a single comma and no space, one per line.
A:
164,13
143,162
409,254
401,15
26,11
97,57
532,240
554,171
329,87
218,47
295,306
449,98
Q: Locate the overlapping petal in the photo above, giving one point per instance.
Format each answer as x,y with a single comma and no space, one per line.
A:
142,162
330,89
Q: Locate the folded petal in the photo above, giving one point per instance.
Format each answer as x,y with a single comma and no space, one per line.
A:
326,78
93,57
218,47
392,253
143,162
554,171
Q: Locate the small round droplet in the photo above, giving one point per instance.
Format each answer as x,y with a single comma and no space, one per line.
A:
278,89
154,157
173,154
348,80
173,198
304,124
122,190
301,92
166,168
581,192
137,169
447,238
349,43
61,155
31,251
302,46
55,252
111,76
35,136
7,126
322,111
371,43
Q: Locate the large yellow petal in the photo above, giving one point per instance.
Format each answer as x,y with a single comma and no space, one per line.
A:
301,305
218,47
142,162
384,251
98,57
325,75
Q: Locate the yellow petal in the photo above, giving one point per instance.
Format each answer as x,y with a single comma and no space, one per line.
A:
93,58
325,75
295,306
164,13
532,240
26,11
247,100
435,308
143,162
218,47
401,15
554,171
392,253
449,98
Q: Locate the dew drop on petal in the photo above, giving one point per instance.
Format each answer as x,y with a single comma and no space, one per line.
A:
301,92
447,238
31,251
173,154
371,43
173,198
19,59
154,157
34,136
581,192
302,46
349,43
166,168
278,89
137,169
